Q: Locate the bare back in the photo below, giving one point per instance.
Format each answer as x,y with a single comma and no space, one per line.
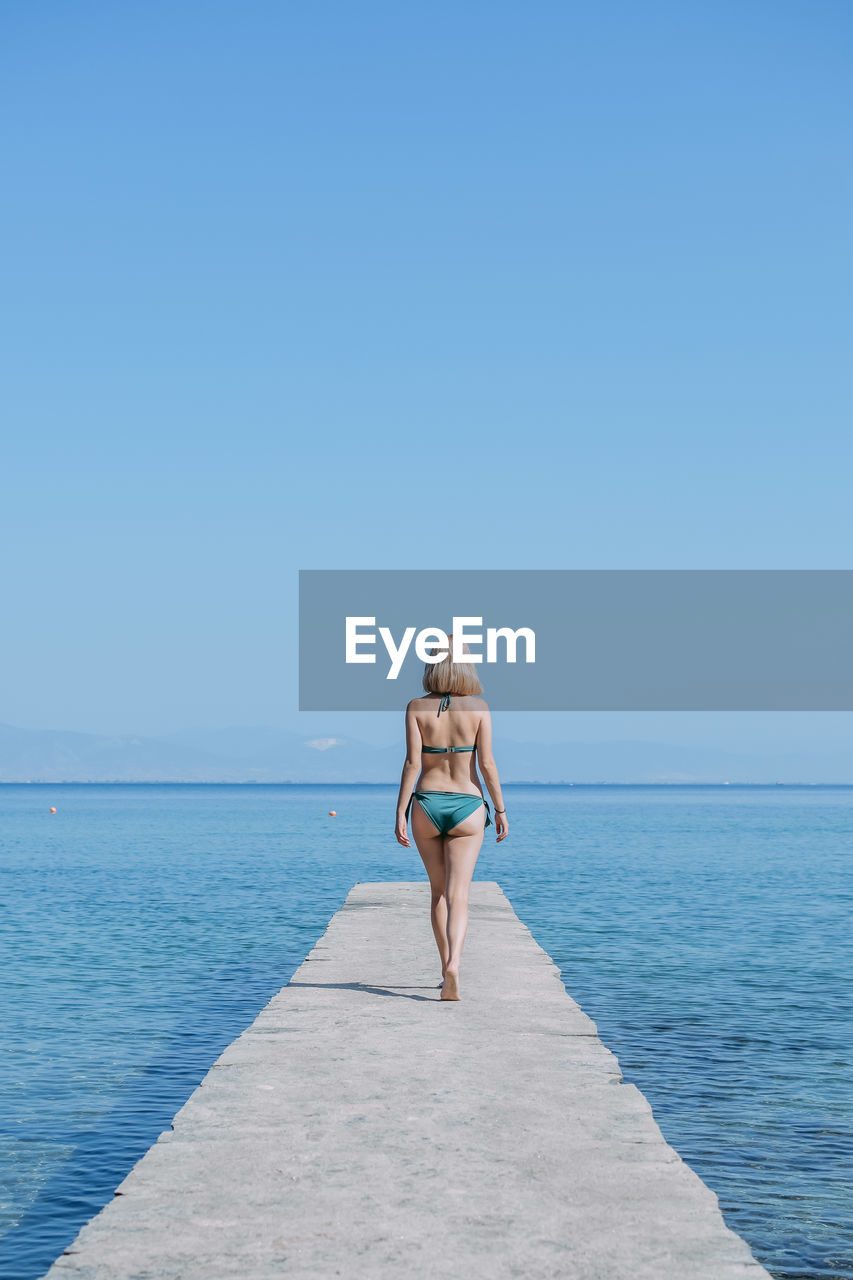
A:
457,726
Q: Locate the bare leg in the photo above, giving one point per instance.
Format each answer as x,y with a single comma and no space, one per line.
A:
461,850
430,844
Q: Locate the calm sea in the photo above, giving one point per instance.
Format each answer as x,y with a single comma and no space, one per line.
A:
706,930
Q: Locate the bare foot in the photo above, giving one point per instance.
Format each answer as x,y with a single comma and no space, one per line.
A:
450,987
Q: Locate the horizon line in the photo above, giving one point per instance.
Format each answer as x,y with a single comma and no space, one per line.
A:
172,782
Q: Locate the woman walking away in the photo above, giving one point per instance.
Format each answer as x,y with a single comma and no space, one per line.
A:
446,732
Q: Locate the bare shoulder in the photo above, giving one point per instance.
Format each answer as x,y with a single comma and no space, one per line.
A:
476,703
416,705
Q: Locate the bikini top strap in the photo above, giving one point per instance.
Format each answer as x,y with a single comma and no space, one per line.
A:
445,703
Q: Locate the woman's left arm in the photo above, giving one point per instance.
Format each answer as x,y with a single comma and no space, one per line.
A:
411,769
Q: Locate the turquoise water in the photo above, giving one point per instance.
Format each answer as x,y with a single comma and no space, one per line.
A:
706,930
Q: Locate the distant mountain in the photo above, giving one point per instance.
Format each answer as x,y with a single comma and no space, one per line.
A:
271,755
228,755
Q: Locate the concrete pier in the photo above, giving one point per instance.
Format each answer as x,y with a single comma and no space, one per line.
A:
363,1128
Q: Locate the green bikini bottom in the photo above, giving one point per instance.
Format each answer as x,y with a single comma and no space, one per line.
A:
446,809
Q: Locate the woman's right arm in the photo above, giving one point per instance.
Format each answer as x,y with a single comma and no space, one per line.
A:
489,770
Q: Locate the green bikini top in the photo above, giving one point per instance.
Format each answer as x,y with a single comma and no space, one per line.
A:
440,751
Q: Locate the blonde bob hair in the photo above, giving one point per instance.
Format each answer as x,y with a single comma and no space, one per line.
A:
448,676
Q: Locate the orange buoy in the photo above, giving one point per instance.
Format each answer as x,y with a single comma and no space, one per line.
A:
52,810
333,813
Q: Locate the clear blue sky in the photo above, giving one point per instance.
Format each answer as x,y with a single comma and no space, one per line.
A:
379,284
